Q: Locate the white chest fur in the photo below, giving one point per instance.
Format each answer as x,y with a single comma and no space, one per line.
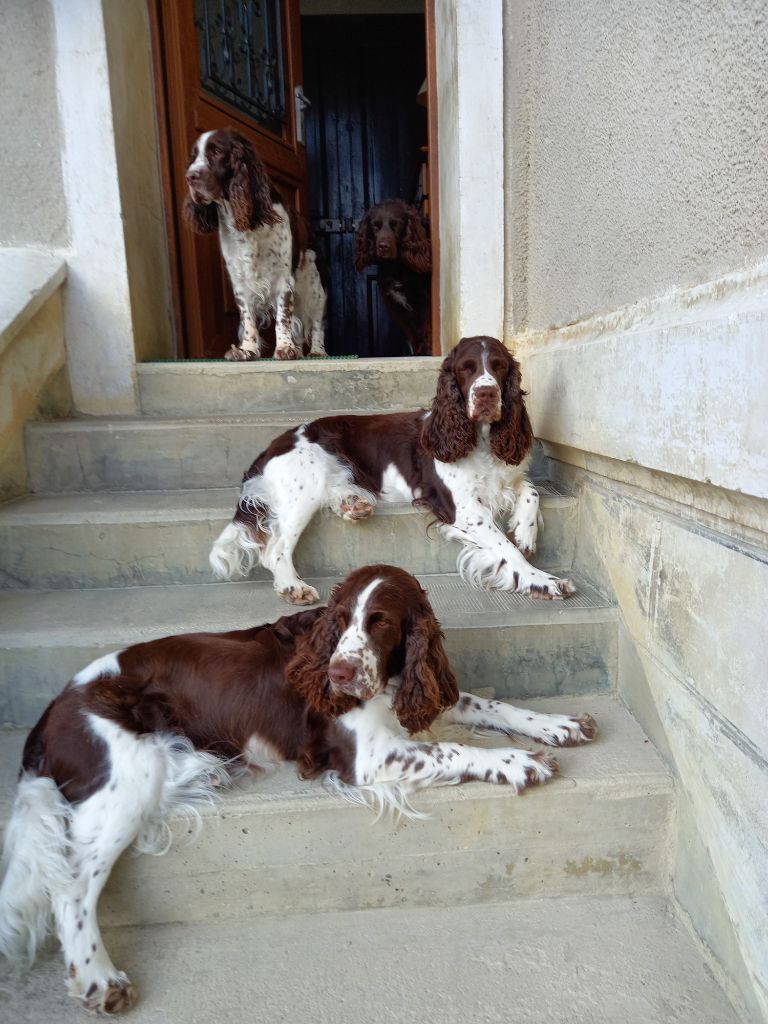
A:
257,260
482,477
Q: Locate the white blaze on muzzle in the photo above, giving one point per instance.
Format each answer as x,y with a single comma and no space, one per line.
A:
201,161
354,648
485,380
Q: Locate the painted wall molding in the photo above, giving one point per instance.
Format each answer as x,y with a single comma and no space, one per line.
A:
677,383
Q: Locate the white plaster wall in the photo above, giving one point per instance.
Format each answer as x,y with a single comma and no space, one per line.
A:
642,132
32,207
471,171
98,321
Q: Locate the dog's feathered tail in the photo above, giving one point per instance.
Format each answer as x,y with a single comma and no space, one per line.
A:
35,866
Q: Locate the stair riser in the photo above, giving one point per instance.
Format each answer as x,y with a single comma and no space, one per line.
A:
246,390
148,458
552,841
81,555
517,661
152,456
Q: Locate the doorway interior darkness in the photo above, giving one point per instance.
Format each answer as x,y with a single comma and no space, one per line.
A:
366,138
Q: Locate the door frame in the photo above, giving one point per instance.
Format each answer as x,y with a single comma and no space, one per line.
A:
469,68
433,182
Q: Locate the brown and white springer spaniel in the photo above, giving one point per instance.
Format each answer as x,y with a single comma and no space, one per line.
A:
391,236
464,461
164,724
274,275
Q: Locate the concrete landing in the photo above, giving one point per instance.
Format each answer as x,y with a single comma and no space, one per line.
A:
519,646
587,960
219,388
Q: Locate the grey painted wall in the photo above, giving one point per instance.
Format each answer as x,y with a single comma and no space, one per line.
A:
32,206
637,147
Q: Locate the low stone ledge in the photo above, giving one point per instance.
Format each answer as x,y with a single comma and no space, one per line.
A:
28,278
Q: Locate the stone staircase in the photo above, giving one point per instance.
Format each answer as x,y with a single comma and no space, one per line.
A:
292,905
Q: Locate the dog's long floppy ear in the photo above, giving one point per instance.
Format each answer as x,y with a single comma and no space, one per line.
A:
365,253
249,188
512,436
201,217
447,433
415,248
427,683
307,671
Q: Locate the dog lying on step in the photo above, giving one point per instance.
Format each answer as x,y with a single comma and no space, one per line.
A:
464,461
158,727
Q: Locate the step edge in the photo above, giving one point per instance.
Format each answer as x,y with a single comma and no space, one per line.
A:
234,806
194,368
606,614
11,516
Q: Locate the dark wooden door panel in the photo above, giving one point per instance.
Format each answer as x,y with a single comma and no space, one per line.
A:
364,137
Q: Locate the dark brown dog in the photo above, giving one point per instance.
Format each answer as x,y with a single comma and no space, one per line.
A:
391,235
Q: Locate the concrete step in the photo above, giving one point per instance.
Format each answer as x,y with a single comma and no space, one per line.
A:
575,960
137,539
226,389
137,454
518,646
143,454
278,845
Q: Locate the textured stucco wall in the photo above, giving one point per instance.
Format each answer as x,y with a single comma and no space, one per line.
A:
81,174
657,414
32,207
636,210
637,142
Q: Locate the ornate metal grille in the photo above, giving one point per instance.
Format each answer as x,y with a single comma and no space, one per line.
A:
241,56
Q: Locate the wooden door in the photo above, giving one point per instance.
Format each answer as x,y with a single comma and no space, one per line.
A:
365,139
224,63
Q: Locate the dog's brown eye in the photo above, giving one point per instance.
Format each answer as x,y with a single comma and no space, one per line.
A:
468,367
377,621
